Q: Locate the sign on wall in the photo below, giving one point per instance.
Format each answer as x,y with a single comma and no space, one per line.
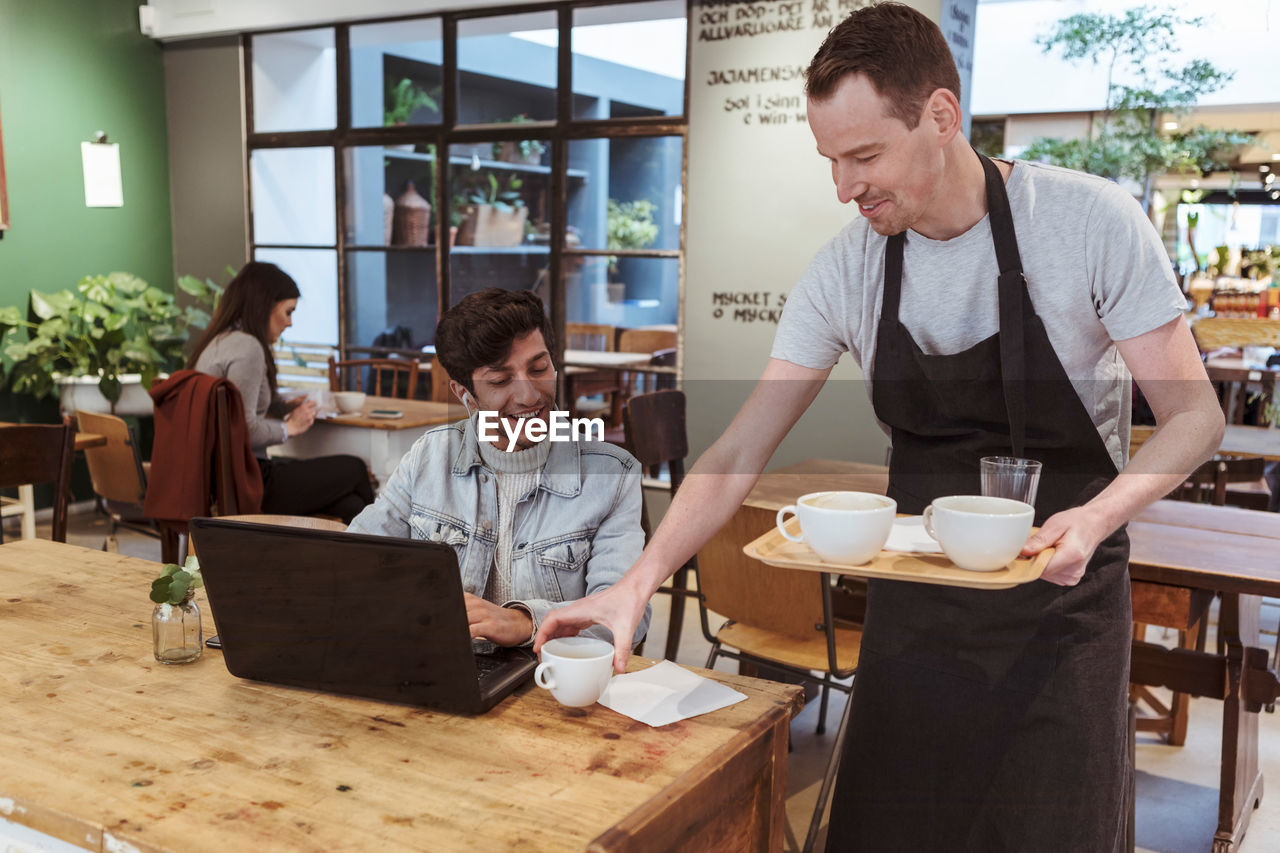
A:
957,25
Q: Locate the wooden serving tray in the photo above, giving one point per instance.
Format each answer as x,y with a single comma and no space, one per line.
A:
774,549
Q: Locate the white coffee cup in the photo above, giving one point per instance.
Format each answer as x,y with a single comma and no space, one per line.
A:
575,669
981,534
842,527
349,401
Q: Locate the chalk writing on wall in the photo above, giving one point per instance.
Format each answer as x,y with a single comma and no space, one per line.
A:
749,306
763,95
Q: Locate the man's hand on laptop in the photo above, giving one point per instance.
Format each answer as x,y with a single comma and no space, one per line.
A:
619,608
506,626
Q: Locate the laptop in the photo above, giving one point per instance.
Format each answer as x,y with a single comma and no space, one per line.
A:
370,616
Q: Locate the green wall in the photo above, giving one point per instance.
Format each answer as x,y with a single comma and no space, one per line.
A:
69,68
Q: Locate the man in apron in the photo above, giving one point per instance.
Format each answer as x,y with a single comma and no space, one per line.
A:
997,309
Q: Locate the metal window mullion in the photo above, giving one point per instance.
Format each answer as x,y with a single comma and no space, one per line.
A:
684,195
246,82
342,44
559,173
449,121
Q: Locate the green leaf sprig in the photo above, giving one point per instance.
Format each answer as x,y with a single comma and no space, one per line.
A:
176,582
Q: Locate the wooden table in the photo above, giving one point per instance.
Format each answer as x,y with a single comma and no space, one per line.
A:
104,748
1235,553
1185,548
26,500
1240,364
380,442
598,359
1238,440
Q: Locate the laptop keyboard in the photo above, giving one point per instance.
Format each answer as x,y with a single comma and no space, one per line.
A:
486,664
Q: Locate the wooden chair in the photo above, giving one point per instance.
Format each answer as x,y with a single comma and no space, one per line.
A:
118,475
656,436
304,367
1227,480
38,453
653,341
597,337
646,340
387,377
1240,404
781,620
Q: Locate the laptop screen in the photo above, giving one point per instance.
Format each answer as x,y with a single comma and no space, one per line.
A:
339,612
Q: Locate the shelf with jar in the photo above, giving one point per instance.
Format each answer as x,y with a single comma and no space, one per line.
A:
496,203
475,162
1241,298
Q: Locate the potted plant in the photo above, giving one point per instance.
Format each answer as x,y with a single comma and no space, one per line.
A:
495,214
114,332
403,99
629,225
526,151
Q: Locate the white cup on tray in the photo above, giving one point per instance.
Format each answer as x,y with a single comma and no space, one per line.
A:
979,533
841,527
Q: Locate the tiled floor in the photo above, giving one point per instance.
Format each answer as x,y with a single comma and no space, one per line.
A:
1177,786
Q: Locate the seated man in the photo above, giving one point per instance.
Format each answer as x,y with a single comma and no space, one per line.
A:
536,524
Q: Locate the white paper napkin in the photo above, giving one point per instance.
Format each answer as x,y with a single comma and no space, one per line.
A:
666,693
908,534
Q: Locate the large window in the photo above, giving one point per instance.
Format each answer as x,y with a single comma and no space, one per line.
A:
397,166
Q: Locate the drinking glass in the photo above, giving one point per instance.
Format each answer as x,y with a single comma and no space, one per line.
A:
1010,477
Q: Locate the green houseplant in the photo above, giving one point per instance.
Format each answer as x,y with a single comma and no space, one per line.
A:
629,225
495,213
111,326
403,98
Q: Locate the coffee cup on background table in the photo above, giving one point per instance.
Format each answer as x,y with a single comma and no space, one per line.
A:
348,402
842,527
575,669
979,533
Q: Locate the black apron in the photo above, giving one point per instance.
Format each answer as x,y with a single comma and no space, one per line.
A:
988,720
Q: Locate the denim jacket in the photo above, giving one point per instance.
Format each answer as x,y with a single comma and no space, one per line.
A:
576,533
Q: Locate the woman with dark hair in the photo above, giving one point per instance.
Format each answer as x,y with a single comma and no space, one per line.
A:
253,313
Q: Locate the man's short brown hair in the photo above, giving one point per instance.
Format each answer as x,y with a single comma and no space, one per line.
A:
900,51
479,331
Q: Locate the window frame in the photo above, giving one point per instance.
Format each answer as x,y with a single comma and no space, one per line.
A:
558,134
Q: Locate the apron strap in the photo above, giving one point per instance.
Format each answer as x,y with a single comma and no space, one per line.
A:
1011,285
892,275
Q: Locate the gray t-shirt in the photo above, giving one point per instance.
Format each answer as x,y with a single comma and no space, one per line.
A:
238,356
1096,273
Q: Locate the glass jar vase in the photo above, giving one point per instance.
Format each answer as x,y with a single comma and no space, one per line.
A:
175,628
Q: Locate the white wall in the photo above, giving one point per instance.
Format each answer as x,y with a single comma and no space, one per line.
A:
1021,131
1011,74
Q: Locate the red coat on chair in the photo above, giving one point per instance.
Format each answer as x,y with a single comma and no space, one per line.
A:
180,483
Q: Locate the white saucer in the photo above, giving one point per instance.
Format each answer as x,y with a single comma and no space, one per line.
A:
908,535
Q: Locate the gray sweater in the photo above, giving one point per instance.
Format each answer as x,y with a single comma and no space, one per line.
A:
238,356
